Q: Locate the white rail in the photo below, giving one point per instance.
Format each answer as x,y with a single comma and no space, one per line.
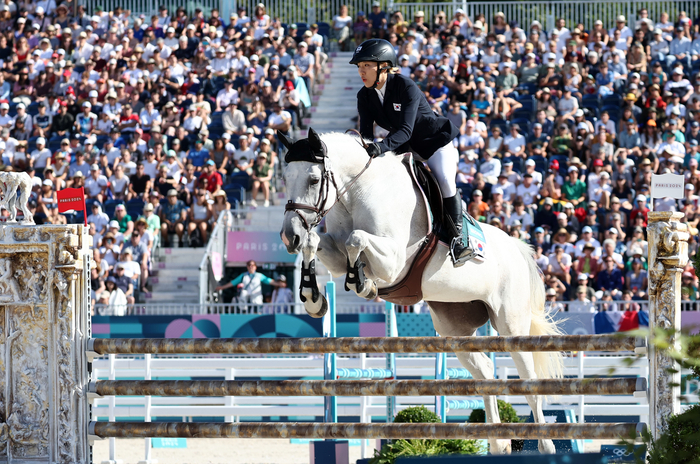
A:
312,366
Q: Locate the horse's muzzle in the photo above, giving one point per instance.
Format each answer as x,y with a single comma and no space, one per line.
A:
291,236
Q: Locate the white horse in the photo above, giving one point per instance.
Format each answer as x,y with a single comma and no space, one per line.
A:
379,222
9,183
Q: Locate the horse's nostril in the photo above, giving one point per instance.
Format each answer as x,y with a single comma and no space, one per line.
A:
295,242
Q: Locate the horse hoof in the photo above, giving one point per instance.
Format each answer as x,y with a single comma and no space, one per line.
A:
373,292
321,312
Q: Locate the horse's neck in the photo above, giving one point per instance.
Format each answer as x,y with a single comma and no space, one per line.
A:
381,194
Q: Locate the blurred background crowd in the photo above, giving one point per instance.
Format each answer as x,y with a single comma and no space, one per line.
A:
166,121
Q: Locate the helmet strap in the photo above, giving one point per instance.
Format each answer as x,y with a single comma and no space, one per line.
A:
379,70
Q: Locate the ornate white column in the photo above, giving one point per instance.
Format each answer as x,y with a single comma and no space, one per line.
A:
668,255
44,327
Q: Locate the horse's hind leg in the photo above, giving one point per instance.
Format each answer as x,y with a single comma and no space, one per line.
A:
511,322
481,367
525,364
462,319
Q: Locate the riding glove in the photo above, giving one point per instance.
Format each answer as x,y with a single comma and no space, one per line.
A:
373,150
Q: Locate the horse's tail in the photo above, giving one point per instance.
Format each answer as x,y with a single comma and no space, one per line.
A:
548,364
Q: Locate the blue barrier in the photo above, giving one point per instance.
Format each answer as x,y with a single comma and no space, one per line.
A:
458,373
354,373
465,404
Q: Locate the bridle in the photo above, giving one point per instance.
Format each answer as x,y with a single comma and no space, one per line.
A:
327,179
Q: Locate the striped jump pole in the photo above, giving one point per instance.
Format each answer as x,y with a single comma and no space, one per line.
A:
333,388
358,430
100,346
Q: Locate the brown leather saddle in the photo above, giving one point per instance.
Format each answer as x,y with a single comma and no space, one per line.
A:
408,291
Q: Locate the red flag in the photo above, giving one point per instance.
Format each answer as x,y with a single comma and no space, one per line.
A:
72,198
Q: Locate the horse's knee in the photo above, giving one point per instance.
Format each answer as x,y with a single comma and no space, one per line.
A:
355,244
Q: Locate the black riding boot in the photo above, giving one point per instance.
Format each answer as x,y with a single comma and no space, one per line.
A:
458,249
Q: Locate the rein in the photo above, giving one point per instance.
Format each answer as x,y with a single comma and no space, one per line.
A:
327,179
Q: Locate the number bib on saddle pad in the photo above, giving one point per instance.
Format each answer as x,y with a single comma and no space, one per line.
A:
474,236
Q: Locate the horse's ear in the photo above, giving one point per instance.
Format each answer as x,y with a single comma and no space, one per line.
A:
284,139
315,141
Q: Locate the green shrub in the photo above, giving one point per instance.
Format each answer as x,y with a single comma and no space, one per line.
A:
505,410
508,416
401,448
417,415
680,444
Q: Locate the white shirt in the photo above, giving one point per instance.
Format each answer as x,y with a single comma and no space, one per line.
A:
94,186
150,168
39,157
528,194
275,119
148,119
525,219
131,268
565,261
514,143
579,247
119,185
490,168
224,98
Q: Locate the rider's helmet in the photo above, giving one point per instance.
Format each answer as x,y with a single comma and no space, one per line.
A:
377,50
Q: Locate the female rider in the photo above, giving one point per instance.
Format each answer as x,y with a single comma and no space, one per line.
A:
396,103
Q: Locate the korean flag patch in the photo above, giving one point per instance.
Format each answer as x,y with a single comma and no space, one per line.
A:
397,106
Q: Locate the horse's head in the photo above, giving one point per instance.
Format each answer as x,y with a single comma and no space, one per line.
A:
307,187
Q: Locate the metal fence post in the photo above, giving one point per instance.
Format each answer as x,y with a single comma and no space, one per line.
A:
112,413
441,374
330,359
391,331
147,414
228,401
363,409
581,398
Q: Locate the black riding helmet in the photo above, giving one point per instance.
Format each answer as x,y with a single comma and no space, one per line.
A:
378,51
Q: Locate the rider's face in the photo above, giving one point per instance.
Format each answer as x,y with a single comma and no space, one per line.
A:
368,72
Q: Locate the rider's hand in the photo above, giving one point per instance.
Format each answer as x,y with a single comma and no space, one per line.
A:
373,150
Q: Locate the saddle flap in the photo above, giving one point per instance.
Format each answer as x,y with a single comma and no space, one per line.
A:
428,186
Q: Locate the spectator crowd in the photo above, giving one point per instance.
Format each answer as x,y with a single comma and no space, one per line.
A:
164,121
560,131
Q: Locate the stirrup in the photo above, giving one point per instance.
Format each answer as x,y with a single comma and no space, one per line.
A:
459,261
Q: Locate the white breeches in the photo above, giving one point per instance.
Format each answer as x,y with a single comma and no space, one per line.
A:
443,164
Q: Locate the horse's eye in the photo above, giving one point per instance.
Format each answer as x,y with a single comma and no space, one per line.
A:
314,181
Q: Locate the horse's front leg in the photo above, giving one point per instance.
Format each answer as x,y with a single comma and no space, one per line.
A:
314,301
383,261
